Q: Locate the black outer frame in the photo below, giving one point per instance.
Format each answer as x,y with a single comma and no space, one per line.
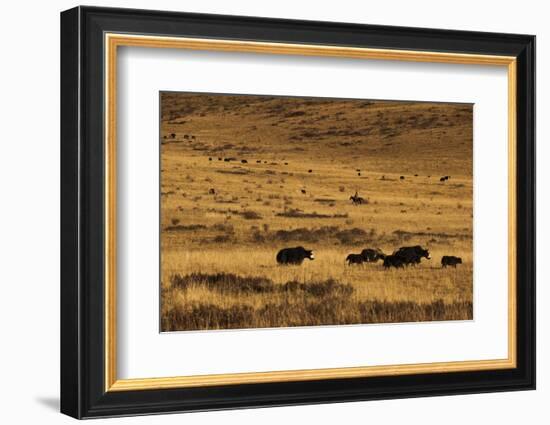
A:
82,212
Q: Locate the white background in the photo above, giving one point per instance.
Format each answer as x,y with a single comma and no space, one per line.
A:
29,225
140,344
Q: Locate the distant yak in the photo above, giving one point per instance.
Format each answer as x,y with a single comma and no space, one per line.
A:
450,260
294,255
368,255
354,259
412,254
372,255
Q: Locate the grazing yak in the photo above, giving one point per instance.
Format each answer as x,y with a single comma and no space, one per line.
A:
450,260
294,255
354,259
372,255
393,261
412,254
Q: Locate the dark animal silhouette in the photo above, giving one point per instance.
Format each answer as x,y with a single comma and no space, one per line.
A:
210,159
244,161
303,191
359,174
412,254
401,177
354,259
294,255
357,200
393,261
310,171
450,260
219,159
173,135
258,161
372,255
212,191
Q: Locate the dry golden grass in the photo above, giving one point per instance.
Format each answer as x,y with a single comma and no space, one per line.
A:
259,208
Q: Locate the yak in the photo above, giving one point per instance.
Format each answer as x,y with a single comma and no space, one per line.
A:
294,255
354,259
372,255
450,260
412,254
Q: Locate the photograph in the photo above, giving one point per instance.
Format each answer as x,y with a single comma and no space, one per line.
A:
287,210
284,211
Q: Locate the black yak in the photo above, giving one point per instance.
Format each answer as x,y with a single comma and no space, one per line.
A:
450,260
371,255
354,259
412,254
294,255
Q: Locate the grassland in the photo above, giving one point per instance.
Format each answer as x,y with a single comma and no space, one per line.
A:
222,222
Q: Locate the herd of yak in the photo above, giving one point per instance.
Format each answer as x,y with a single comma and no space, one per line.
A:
404,256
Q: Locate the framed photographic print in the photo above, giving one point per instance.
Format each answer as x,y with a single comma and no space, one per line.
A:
261,212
